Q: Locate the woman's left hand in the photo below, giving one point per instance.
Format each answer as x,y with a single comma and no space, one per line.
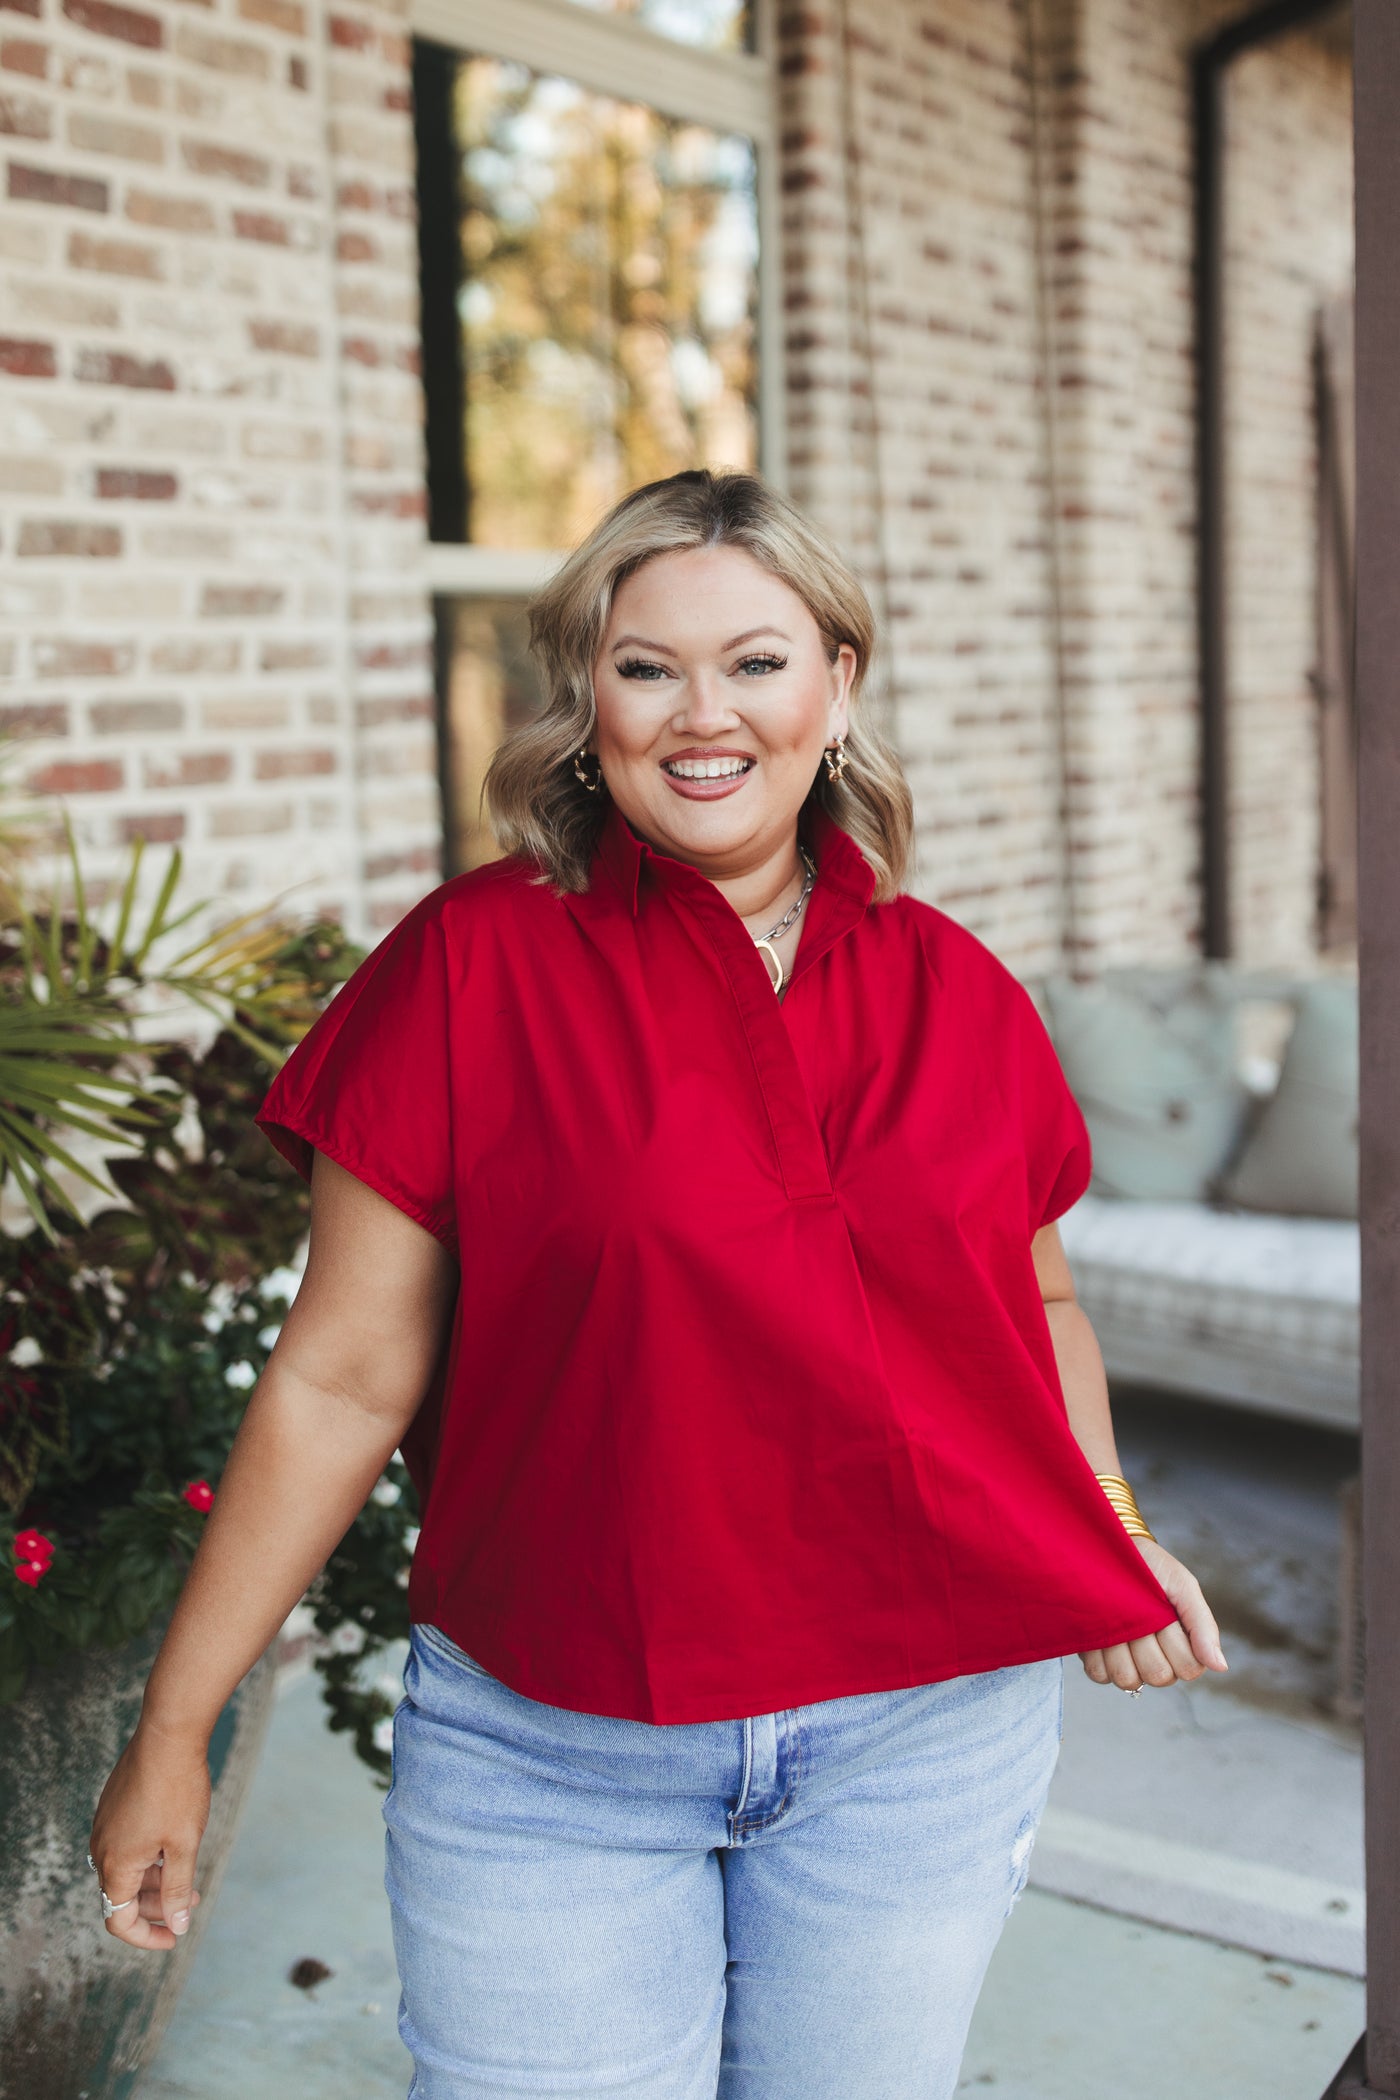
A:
1180,1651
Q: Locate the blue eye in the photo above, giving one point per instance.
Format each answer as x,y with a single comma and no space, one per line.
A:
638,667
764,663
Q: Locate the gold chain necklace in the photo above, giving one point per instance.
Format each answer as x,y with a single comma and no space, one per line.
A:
764,942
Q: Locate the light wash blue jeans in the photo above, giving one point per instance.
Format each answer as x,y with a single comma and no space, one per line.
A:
800,1906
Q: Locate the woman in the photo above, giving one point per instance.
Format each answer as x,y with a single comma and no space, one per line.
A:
683,1201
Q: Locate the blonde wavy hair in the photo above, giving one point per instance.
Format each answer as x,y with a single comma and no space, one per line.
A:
537,805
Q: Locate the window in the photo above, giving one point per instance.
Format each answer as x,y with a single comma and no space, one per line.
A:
596,207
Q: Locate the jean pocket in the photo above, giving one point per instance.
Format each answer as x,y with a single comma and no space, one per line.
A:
423,1634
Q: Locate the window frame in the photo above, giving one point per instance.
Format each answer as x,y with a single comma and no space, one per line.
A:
733,91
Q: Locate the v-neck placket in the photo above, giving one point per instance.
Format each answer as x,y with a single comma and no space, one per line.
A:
845,882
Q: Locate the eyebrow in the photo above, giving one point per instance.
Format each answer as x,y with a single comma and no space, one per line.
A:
640,641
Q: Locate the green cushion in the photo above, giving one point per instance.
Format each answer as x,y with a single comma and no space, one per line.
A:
1302,1158
1150,1058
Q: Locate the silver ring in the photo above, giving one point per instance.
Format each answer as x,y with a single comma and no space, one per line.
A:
1134,1693
109,1908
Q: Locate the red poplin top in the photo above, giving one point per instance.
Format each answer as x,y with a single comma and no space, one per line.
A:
750,1398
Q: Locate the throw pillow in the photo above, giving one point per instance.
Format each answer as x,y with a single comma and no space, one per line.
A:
1303,1158
1151,1061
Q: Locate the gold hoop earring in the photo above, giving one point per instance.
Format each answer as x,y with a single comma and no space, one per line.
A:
834,772
596,782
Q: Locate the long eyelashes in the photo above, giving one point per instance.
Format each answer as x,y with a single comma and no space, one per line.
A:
640,667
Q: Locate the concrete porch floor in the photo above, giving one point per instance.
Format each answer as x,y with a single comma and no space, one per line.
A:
1177,1822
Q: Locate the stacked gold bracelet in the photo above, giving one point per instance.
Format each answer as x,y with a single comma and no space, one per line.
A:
1124,1502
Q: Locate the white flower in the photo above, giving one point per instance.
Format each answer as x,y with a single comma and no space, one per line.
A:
401,1578
411,1537
391,1686
26,1351
384,1734
347,1639
267,1336
385,1492
241,1375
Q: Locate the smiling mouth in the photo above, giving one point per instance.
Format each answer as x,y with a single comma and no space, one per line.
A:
707,768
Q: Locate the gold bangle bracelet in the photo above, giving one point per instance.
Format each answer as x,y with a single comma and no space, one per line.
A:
1123,1502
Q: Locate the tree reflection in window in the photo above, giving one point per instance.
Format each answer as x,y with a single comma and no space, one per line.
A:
608,303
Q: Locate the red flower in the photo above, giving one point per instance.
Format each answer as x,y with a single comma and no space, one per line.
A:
30,1571
32,1545
199,1494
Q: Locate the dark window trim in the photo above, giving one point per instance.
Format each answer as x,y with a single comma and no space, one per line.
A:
439,284
1209,61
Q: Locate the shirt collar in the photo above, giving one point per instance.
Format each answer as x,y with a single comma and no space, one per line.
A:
842,869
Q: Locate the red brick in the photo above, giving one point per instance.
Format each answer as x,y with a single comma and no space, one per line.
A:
287,15
304,183
262,226
23,7
165,827
89,251
360,350
130,25
95,776
239,601
288,338
49,186
285,765
205,158
373,714
187,769
356,196
179,214
24,118
355,247
40,537
350,35
135,717
390,503
116,368
397,98
35,718
136,485
392,656
66,658
26,360
20,54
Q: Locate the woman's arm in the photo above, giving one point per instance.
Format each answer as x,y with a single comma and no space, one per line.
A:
338,1391
1192,1643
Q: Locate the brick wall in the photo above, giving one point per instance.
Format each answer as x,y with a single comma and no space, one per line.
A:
1289,244
1043,624
909,199
210,447
209,469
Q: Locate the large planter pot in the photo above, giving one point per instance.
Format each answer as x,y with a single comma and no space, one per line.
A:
80,2013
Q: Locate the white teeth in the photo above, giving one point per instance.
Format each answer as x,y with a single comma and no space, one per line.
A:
706,768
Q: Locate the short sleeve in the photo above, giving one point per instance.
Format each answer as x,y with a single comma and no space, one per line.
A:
1059,1156
369,1084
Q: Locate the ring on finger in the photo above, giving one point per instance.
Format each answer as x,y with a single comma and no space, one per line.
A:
1133,1691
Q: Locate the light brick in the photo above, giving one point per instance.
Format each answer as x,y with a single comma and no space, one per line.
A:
48,538
136,718
117,258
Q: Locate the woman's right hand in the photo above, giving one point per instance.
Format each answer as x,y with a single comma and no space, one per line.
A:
146,1834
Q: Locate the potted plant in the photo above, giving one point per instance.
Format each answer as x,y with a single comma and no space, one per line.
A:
149,1242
